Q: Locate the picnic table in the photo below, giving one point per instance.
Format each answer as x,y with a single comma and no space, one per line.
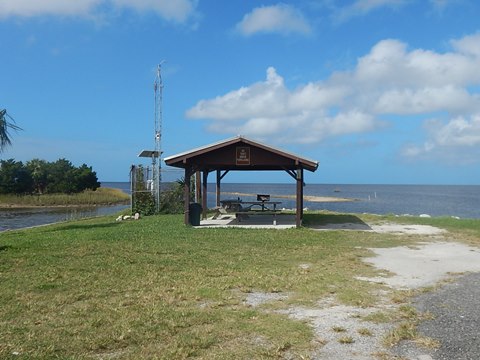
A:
247,208
258,206
231,205
242,209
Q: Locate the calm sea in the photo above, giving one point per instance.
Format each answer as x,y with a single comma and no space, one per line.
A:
434,200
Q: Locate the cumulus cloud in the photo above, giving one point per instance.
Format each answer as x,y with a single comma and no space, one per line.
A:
389,63
428,99
390,81
177,11
303,115
263,99
456,140
281,18
458,132
468,45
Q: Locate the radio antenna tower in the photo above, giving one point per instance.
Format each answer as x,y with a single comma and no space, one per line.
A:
157,168
154,185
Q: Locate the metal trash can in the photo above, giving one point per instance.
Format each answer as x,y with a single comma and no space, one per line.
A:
194,214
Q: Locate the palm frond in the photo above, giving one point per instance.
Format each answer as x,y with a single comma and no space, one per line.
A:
5,126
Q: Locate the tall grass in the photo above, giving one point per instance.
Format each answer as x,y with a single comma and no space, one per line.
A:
101,196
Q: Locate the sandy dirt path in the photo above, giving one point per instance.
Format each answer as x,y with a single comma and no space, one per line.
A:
424,264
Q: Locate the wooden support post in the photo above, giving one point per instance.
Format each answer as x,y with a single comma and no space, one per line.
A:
302,184
299,213
217,191
198,187
186,194
220,176
204,194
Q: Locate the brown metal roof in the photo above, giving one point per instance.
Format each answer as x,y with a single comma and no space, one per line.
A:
240,153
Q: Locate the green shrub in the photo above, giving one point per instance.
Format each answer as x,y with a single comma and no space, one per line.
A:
143,203
171,199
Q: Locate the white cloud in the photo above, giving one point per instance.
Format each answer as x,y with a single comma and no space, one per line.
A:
29,8
281,18
177,11
458,132
389,64
427,99
457,140
363,7
389,80
263,99
468,45
369,5
270,108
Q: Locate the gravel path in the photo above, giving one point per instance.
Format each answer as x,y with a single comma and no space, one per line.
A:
423,264
456,308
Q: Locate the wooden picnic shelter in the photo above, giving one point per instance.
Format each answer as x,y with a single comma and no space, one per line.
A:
239,154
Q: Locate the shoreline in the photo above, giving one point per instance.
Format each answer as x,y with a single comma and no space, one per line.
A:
69,206
16,218
86,199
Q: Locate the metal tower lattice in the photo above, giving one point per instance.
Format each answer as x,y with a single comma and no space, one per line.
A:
142,182
156,159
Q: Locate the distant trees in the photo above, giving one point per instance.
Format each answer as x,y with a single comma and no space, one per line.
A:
42,177
14,178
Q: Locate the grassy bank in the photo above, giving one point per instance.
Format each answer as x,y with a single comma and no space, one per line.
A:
153,288
101,196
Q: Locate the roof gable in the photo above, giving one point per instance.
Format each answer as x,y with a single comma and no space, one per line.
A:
240,153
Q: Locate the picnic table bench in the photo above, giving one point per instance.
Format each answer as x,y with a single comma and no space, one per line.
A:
242,209
257,208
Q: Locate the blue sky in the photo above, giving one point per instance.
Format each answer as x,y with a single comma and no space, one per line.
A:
377,91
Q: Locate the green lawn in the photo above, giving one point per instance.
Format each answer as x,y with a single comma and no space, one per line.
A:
154,288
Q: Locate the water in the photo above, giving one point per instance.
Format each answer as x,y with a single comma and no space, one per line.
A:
435,200
21,218
17,218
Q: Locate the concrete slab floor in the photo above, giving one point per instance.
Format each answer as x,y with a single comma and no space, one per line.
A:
250,222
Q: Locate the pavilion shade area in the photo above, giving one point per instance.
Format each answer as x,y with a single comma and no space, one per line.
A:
240,154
